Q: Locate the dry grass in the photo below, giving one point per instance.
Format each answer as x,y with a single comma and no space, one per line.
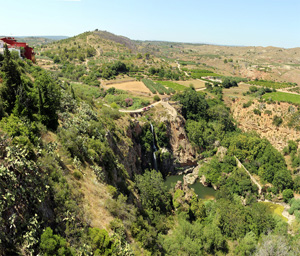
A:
196,83
236,91
95,196
276,209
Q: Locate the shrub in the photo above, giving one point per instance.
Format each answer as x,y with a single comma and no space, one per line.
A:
256,111
156,98
53,244
277,121
287,194
114,105
77,175
101,242
268,112
248,104
253,89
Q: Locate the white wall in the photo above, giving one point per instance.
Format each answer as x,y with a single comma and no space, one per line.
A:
17,50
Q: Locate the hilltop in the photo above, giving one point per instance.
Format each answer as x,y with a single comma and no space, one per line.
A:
268,63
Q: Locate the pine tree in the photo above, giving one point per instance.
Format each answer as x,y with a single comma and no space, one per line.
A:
11,81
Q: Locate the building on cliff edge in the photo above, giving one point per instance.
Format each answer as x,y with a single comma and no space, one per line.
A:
24,50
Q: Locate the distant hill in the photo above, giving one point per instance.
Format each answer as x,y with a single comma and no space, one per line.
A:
38,40
267,63
115,38
55,37
47,37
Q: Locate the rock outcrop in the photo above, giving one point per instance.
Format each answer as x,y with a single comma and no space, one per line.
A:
184,153
182,150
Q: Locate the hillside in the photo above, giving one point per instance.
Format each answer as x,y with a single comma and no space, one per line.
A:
92,132
268,63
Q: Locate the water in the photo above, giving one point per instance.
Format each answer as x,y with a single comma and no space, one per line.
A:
202,191
154,161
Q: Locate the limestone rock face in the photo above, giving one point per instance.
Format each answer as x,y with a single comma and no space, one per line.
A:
190,178
182,150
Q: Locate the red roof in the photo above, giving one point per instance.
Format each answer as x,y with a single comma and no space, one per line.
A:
12,43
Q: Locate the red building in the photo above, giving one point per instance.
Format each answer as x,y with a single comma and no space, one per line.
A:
27,53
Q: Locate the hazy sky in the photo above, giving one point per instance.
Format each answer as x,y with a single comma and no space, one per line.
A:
230,22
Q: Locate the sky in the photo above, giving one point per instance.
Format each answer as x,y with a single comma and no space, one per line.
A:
224,22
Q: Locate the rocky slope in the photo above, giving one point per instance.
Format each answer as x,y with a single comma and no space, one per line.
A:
263,124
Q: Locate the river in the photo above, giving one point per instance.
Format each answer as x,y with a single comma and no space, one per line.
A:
202,191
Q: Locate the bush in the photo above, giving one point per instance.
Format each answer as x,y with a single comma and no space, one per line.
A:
268,112
277,121
287,195
156,98
101,242
248,104
253,89
77,175
53,244
256,111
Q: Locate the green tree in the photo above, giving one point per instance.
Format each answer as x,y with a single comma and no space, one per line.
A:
283,180
153,192
197,133
12,83
48,100
156,98
287,195
54,244
101,242
194,105
247,245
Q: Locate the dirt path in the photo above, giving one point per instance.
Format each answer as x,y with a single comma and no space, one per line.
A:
240,165
140,109
178,65
135,110
171,110
97,51
285,90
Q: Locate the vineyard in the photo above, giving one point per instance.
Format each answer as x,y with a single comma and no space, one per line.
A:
272,84
198,73
157,87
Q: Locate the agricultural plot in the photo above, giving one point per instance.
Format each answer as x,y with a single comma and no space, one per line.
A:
184,63
157,87
198,84
133,86
198,73
272,84
283,97
173,85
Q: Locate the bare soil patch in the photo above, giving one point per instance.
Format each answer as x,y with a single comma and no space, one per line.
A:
134,86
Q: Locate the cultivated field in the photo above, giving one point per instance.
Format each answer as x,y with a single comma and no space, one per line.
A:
196,83
283,97
134,86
